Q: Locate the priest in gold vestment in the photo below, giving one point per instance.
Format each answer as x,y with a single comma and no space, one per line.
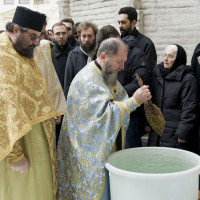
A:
27,125
97,108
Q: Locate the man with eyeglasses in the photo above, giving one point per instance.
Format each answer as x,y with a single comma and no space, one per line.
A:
60,53
69,23
61,50
27,133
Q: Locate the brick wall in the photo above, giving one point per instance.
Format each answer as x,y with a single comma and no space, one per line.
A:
165,22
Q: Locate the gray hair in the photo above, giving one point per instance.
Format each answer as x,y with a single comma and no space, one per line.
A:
10,26
111,46
174,48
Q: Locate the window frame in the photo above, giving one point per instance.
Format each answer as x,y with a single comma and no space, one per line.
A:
8,3
28,1
36,2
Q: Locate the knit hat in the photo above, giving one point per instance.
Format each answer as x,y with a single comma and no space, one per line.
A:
28,18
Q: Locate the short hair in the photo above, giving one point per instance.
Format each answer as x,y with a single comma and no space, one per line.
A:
68,20
130,11
58,24
111,46
106,32
86,25
10,26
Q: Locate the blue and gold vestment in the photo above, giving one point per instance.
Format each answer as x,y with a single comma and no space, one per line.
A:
94,116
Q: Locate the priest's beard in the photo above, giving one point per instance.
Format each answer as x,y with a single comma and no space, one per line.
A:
22,47
110,77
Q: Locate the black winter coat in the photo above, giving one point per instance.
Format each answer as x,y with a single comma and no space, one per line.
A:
196,66
176,96
135,63
76,61
147,46
59,58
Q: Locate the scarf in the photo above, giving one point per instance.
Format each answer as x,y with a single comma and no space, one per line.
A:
90,53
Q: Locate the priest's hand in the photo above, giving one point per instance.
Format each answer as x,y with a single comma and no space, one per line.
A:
21,166
142,94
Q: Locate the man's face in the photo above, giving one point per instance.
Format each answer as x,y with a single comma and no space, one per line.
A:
60,35
113,65
169,58
125,26
87,39
26,42
69,28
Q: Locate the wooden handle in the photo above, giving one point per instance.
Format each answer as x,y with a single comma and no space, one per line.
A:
140,81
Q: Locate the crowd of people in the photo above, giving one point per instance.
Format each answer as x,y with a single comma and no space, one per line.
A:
70,97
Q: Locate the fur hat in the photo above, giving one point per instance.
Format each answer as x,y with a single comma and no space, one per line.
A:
28,18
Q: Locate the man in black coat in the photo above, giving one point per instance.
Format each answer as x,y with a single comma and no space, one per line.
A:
195,64
127,19
60,53
81,55
60,50
69,23
136,63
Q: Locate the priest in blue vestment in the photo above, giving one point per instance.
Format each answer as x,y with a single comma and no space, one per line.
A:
97,111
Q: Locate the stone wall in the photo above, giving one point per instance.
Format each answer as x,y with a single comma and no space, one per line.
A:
165,22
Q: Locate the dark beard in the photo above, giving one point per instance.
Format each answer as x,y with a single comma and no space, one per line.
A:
126,32
87,49
110,77
27,52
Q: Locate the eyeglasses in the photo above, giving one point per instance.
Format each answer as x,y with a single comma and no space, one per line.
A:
34,37
168,56
60,33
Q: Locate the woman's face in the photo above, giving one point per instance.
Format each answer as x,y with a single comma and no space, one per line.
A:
169,58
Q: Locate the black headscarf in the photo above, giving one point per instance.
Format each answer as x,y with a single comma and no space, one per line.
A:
181,58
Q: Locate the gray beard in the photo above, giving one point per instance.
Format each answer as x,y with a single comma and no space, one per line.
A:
111,78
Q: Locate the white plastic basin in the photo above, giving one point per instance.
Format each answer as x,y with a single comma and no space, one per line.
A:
153,173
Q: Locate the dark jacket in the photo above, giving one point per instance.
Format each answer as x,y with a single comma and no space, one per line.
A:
59,58
72,42
75,62
175,95
147,46
135,63
196,66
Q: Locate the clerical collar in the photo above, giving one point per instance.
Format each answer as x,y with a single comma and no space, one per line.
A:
97,64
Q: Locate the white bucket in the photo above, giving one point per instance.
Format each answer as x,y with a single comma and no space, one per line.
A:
153,173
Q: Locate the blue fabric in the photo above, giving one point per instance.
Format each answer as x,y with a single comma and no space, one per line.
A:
93,118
